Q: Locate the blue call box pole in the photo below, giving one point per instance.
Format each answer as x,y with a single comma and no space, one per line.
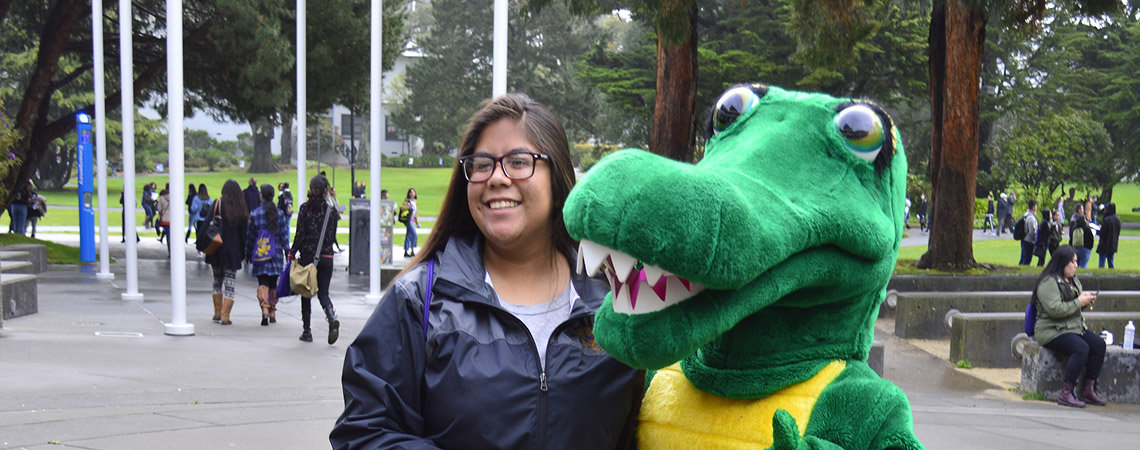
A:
86,187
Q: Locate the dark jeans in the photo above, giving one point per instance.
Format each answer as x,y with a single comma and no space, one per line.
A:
19,215
324,277
1026,253
1086,351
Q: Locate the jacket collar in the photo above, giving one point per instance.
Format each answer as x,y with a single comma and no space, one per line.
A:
460,275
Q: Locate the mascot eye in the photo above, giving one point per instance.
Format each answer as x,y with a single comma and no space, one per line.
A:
731,105
863,130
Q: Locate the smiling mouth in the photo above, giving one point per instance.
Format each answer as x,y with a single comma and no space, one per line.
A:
635,290
503,204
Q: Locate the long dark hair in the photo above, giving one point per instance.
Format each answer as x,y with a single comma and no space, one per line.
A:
190,194
544,130
233,204
203,193
318,187
268,205
1062,256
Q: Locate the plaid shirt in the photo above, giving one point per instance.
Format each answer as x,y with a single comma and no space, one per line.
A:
258,222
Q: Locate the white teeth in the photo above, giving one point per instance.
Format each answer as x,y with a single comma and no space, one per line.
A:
654,273
623,263
503,204
592,255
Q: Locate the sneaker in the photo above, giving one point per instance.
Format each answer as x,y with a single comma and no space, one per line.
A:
306,336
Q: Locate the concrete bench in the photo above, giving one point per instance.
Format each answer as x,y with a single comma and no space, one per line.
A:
1043,372
1020,282
986,339
36,254
875,358
924,315
18,295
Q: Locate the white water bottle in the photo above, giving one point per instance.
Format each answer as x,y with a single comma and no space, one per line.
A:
1129,335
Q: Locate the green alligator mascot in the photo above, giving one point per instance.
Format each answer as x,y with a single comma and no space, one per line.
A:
748,284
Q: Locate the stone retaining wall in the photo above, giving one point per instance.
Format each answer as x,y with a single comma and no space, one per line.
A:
923,315
985,339
1043,372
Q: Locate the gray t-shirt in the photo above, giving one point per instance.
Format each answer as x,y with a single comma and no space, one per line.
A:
543,318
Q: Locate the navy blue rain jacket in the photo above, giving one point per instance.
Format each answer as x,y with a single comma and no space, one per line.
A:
475,380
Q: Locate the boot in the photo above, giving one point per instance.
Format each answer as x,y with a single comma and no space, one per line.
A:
1067,398
264,313
217,307
1088,394
227,305
334,324
273,312
307,336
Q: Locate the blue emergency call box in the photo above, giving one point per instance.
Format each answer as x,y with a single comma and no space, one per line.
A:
86,172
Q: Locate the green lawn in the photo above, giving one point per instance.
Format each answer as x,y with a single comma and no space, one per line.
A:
1126,197
430,185
1006,252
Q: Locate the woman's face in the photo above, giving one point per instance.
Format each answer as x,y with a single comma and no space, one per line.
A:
1071,268
511,212
411,193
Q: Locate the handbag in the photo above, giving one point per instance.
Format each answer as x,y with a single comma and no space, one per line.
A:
283,289
303,277
214,233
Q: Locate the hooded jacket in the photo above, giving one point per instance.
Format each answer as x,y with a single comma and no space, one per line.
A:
473,378
1109,231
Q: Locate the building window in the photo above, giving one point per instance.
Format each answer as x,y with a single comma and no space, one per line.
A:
391,133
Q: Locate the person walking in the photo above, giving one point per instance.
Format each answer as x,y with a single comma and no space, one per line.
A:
1081,238
285,203
1061,327
411,239
18,209
37,209
162,217
906,213
311,219
233,218
252,195
921,213
1109,237
148,204
200,210
1041,240
1000,212
462,348
265,247
191,194
988,224
1030,238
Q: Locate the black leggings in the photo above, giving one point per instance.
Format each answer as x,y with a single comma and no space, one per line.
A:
1086,351
324,277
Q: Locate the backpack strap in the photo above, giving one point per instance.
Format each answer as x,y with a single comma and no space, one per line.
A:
427,295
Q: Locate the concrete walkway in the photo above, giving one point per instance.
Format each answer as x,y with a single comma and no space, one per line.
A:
90,371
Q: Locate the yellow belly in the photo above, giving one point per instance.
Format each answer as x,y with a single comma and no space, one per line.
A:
676,415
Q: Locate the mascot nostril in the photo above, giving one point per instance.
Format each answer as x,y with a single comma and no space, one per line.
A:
749,283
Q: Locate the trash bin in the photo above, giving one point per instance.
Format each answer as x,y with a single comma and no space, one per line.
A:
358,234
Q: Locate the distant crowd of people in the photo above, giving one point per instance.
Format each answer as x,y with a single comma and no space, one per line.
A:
26,207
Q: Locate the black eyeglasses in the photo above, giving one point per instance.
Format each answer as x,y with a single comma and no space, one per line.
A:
517,165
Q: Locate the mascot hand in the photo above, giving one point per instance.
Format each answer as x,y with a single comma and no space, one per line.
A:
786,435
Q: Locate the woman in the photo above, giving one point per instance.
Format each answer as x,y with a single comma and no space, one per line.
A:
233,217
1041,240
411,239
148,204
310,220
1056,233
1081,238
1109,237
203,206
505,358
267,259
191,194
162,217
1061,326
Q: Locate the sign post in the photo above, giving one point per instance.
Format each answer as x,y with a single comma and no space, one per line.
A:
86,188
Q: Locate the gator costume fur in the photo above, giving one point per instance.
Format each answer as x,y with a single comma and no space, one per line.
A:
748,284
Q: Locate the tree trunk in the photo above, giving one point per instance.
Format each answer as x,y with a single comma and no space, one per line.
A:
288,142
957,37
262,152
673,132
55,168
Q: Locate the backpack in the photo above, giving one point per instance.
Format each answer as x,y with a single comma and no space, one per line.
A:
405,214
1019,229
204,213
1030,318
1078,239
264,248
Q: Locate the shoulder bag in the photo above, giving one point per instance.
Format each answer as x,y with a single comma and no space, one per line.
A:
303,278
214,232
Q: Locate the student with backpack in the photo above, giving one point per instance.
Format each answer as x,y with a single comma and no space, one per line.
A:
1081,238
1025,230
1060,326
265,246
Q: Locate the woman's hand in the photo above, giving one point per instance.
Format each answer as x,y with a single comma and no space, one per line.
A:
1087,299
289,256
